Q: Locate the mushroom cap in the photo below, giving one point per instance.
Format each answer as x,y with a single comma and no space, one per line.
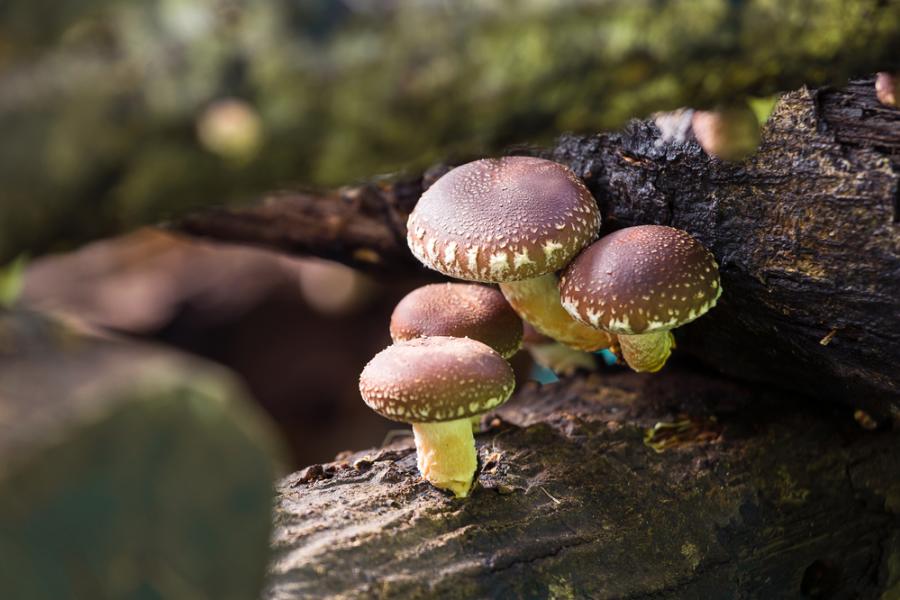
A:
641,280
503,219
459,310
434,379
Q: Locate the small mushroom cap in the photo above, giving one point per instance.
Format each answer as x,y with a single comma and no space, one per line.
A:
433,379
503,219
641,280
459,310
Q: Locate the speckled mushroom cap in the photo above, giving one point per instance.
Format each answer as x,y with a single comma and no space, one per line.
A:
641,280
503,219
432,379
459,310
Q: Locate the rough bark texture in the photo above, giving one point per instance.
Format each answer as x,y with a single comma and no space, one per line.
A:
807,233
126,470
364,227
739,493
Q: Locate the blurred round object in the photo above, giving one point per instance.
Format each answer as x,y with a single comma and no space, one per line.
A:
331,288
231,128
887,88
730,133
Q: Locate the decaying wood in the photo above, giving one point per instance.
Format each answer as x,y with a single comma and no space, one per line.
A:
621,485
126,470
807,233
364,227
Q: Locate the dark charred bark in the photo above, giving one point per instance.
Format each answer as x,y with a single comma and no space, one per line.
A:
364,227
807,234
677,485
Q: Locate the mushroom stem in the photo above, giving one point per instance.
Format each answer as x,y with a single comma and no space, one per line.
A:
562,359
476,423
446,454
537,301
647,352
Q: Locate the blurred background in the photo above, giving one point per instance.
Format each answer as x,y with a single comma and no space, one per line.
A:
297,331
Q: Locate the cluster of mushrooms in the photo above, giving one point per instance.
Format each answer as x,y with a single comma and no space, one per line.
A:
531,226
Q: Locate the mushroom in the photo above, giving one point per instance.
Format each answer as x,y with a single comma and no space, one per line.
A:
515,221
537,301
640,283
458,310
437,384
730,133
887,88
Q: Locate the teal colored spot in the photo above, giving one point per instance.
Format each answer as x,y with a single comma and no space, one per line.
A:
608,357
543,374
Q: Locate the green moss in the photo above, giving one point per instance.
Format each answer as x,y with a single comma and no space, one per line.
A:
12,279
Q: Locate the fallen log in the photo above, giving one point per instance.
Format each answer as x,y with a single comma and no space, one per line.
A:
678,485
807,234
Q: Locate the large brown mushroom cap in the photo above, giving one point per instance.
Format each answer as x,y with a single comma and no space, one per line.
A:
459,310
435,379
503,219
641,280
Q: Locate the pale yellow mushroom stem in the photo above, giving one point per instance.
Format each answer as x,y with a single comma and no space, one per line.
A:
537,301
562,359
647,352
446,454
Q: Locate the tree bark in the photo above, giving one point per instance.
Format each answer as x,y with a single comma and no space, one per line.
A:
364,227
806,232
678,485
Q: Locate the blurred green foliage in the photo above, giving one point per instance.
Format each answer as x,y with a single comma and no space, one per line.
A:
100,101
12,280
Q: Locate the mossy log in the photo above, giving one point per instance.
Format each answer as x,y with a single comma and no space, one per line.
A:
806,232
678,485
126,470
